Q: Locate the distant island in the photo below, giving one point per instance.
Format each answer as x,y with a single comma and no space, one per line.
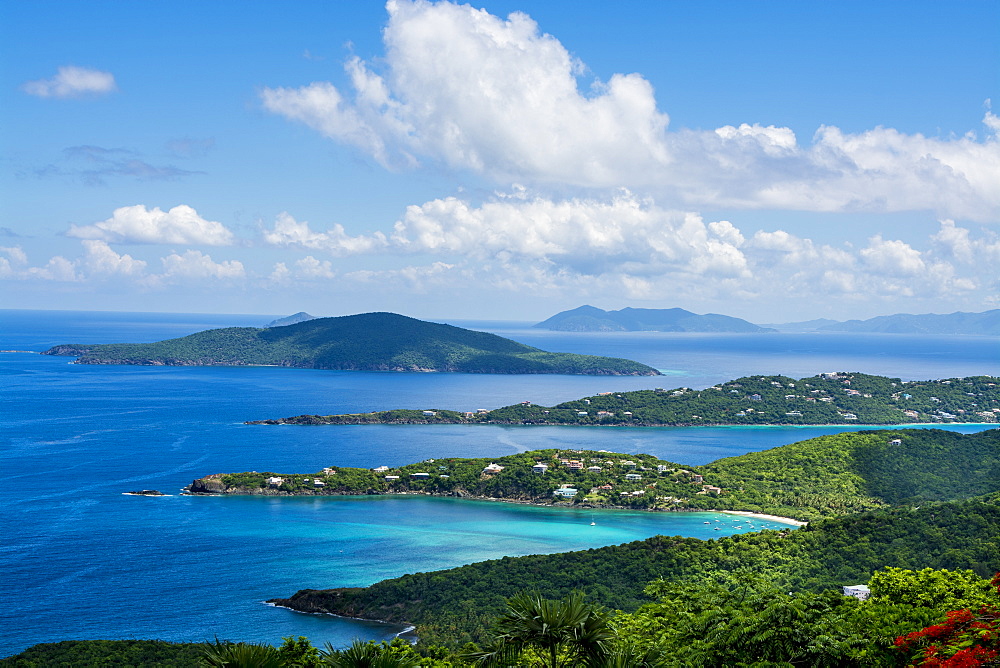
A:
985,323
591,319
364,342
828,398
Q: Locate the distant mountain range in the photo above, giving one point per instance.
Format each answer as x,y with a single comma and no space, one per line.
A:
591,319
364,342
985,323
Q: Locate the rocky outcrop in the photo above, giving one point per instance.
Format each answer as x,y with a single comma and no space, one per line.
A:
207,485
345,602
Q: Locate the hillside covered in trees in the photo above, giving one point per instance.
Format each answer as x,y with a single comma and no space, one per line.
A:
828,398
364,342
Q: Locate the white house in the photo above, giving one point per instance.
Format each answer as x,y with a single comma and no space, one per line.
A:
539,468
857,591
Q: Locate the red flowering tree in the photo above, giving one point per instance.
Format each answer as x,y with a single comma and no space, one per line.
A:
966,639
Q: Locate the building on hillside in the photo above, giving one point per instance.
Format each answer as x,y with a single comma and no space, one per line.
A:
857,591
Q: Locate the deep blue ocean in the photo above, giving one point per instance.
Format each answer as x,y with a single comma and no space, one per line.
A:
81,560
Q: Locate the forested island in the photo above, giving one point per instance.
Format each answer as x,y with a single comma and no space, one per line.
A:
828,398
363,342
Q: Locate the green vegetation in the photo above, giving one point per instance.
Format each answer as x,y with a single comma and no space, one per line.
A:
927,617
458,605
365,342
821,477
104,653
840,398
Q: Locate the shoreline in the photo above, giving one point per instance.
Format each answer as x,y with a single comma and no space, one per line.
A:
282,422
764,516
523,502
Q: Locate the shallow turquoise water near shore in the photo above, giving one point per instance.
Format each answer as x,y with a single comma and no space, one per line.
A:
80,560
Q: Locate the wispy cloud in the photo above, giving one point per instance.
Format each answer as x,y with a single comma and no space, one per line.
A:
94,165
71,81
462,88
188,147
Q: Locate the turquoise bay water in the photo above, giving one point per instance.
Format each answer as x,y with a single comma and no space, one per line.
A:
80,560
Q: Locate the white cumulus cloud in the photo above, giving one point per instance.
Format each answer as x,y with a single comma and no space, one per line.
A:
472,91
101,259
194,264
137,224
72,81
289,232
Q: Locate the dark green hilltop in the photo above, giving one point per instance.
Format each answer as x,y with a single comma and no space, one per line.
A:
363,342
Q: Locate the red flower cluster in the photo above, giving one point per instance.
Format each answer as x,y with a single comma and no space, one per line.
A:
965,640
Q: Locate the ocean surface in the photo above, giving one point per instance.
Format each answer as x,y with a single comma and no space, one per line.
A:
81,560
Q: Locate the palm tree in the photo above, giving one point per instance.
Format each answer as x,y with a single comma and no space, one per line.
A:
567,632
241,655
363,654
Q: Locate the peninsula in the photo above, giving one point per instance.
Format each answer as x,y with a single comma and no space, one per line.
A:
820,477
828,398
363,342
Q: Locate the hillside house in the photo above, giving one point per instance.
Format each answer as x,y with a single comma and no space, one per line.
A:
492,469
420,476
275,481
861,592
539,468
633,476
565,492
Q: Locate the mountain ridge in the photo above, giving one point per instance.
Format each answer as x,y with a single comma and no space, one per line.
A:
591,319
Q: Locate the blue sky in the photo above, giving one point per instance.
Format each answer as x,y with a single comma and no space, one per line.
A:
775,161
